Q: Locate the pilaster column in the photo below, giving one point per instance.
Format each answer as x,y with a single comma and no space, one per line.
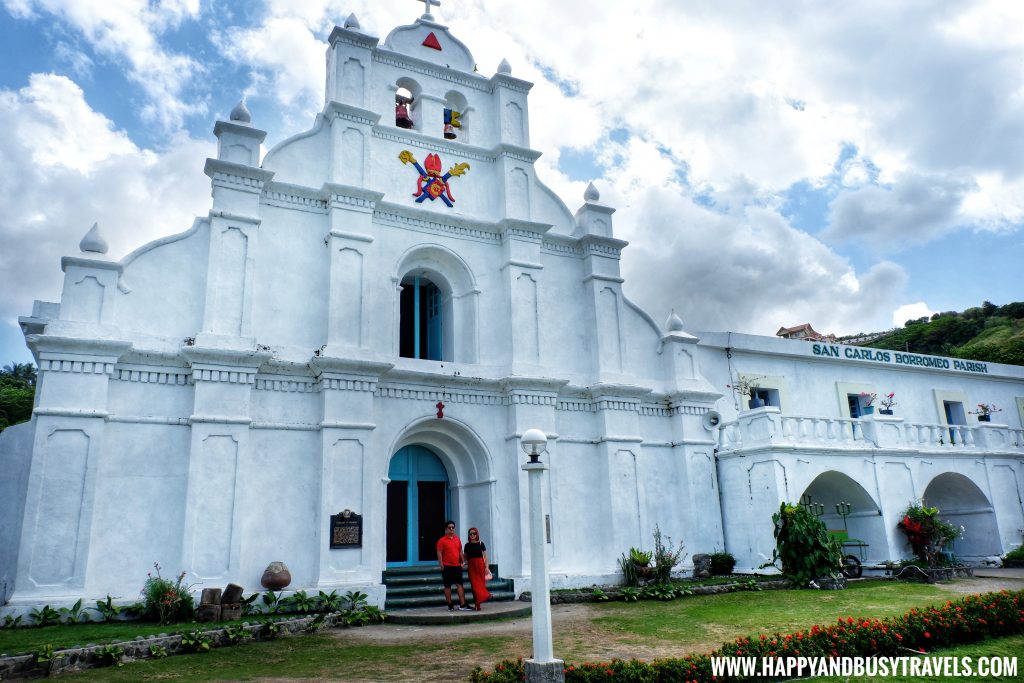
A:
223,380
351,138
346,473
351,301
71,408
531,404
621,453
230,276
522,274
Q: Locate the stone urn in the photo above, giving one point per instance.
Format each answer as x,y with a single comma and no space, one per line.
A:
276,576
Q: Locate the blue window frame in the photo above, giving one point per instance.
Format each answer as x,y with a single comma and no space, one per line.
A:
421,327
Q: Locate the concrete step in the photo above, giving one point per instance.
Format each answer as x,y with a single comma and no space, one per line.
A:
406,602
422,589
427,616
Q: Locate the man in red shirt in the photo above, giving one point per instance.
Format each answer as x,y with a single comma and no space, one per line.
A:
451,559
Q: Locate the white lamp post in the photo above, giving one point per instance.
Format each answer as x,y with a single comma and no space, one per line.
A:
543,666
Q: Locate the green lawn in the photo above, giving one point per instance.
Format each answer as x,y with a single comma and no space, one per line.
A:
644,629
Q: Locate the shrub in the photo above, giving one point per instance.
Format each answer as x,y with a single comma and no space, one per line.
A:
166,601
329,602
722,564
270,629
640,558
45,616
629,574
803,545
73,614
47,657
926,533
195,641
110,655
107,610
236,634
1015,554
665,557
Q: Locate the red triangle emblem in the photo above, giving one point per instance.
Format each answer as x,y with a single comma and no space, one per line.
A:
431,42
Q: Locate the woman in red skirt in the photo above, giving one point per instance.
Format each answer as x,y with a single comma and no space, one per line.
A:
476,554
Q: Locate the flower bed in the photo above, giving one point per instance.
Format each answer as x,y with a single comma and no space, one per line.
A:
971,619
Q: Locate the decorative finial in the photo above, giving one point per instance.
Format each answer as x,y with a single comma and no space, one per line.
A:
93,242
241,113
352,22
674,323
591,194
426,8
505,67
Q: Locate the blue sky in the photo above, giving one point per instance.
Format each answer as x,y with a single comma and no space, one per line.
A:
771,164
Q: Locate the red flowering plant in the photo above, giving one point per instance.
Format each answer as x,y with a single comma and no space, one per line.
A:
926,533
165,601
888,400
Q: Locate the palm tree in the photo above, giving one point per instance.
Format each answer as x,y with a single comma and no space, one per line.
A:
23,373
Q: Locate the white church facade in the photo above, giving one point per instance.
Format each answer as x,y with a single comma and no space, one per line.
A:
369,318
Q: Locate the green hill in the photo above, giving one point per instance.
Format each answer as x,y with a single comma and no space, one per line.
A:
988,332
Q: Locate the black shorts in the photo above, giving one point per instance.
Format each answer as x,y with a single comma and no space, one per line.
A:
451,575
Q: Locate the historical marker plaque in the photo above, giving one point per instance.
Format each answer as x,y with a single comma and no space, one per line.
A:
346,530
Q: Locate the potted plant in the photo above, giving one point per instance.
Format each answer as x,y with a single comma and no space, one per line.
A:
748,386
867,401
641,560
985,410
887,401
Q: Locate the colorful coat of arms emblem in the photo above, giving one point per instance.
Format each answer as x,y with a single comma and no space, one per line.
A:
431,184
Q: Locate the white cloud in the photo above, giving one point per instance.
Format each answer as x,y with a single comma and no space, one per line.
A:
64,166
131,30
285,52
910,312
915,210
748,273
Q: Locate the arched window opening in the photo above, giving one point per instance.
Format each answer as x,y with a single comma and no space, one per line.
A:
421,329
456,111
403,101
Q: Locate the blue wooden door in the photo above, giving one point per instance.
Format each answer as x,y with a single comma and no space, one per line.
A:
418,505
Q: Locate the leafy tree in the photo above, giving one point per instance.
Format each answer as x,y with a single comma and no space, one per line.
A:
17,393
22,373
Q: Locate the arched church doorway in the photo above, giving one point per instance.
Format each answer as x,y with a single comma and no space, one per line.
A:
418,505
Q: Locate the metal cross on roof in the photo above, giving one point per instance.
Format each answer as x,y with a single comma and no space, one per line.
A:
427,4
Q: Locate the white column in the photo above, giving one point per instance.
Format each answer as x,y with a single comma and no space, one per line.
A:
543,666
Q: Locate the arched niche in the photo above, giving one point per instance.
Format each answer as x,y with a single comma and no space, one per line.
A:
962,503
447,300
864,523
407,103
455,101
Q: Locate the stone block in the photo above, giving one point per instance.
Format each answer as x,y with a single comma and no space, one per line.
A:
701,566
206,613
232,594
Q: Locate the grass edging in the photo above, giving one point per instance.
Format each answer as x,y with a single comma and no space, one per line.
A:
89,656
615,592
